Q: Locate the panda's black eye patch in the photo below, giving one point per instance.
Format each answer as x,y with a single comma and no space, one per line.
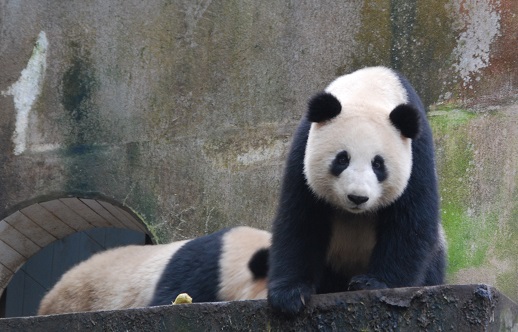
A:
340,163
378,167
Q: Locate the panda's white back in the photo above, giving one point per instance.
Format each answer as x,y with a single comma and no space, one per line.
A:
123,277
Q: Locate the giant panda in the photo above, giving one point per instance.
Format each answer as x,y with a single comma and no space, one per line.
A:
224,266
359,203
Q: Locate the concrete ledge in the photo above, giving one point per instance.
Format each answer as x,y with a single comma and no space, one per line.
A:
441,308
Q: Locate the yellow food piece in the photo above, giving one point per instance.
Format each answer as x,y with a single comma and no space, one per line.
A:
183,298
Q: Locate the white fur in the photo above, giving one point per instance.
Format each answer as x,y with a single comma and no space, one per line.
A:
355,240
108,280
364,130
237,282
372,86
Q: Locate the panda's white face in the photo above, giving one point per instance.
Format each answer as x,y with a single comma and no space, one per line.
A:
358,161
359,155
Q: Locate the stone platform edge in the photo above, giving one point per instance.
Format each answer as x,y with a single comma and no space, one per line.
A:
477,307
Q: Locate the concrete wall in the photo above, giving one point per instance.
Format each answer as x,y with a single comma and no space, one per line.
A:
182,111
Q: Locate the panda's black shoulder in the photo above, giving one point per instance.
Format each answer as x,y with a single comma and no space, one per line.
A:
193,269
295,161
423,177
413,97
300,139
294,181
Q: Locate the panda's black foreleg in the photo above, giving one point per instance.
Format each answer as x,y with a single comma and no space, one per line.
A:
401,257
435,273
297,254
300,236
294,273
289,299
297,259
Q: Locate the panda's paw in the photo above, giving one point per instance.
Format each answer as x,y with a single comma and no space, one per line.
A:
365,282
289,300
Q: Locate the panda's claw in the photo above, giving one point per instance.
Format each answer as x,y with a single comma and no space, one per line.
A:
365,282
289,301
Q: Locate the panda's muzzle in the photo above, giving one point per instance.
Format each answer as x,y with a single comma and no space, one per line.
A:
358,199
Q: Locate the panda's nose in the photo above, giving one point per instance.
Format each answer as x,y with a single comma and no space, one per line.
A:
357,199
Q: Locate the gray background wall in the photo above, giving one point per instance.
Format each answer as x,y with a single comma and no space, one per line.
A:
182,111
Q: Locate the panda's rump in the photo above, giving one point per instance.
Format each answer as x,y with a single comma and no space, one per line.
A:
237,281
353,238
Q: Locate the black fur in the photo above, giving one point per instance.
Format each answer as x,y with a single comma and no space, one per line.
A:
378,166
407,251
322,107
340,163
406,119
258,264
193,269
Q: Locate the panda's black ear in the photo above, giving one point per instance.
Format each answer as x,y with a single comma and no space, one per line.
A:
407,120
258,263
322,107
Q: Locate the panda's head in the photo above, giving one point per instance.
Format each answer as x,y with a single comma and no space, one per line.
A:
358,155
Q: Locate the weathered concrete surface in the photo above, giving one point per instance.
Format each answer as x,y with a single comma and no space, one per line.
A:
444,308
183,110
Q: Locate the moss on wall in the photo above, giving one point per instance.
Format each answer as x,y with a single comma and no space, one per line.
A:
454,158
478,205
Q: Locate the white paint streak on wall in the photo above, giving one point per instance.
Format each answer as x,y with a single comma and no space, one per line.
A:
44,147
480,22
26,90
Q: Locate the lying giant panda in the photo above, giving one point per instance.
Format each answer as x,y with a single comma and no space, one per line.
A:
359,205
228,265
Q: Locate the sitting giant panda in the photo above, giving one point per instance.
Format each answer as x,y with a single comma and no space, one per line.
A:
359,205
227,265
